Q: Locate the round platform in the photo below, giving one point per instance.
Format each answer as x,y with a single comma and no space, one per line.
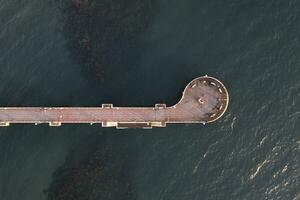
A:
205,98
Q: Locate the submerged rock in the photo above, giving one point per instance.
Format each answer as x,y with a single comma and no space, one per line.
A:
96,169
105,36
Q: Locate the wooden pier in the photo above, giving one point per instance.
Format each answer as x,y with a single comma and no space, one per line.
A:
204,100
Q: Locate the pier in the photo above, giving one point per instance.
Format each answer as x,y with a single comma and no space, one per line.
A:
204,100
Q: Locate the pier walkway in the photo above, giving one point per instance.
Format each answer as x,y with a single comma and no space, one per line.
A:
204,100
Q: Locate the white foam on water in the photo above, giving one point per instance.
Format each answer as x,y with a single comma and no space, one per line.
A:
259,166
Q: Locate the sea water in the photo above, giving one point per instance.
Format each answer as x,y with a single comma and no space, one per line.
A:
138,53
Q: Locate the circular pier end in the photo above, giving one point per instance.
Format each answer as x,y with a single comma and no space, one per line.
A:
205,99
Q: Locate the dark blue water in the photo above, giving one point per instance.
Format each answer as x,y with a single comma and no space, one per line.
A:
140,53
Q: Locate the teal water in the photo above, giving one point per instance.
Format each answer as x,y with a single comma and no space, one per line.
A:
253,47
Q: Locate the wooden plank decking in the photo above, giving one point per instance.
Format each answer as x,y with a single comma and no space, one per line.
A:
204,100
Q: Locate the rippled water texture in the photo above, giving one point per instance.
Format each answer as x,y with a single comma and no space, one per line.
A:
84,53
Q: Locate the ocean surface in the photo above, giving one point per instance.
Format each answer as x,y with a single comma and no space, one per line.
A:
138,53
